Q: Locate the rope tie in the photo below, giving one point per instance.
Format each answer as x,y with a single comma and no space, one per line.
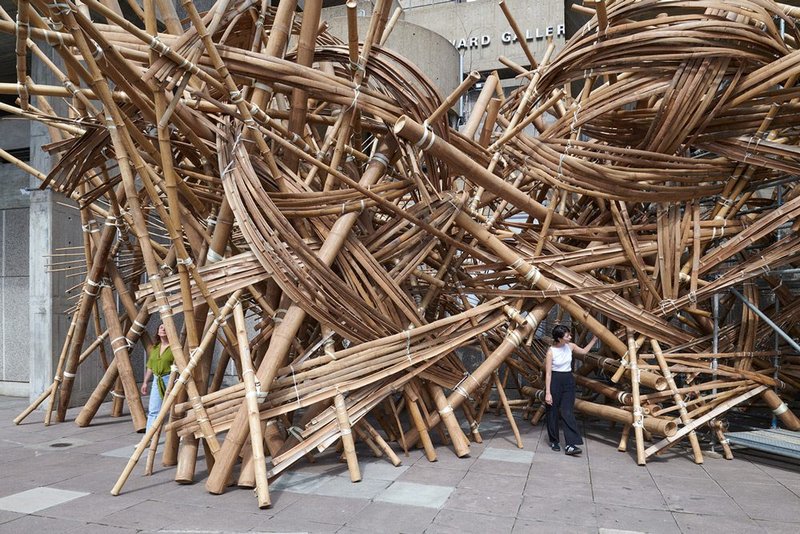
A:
212,256
514,338
638,418
158,46
61,8
408,345
421,144
69,375
380,158
236,97
356,94
460,389
187,262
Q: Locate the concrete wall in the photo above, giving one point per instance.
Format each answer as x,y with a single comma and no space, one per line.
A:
14,280
480,31
435,57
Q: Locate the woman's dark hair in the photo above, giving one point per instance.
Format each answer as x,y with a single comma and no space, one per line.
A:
559,332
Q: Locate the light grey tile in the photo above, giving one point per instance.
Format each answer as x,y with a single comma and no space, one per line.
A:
422,474
33,500
344,487
507,455
412,494
299,482
378,469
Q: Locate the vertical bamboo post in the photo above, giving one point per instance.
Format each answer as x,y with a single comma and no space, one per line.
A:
347,437
252,399
419,423
638,415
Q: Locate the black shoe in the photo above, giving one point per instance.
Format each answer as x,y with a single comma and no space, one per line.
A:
572,450
555,446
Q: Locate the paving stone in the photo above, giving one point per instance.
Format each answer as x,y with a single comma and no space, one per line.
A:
777,527
628,495
491,483
98,528
485,502
699,485
580,512
378,469
422,474
322,509
775,511
35,523
703,504
33,500
446,459
717,524
514,469
527,526
367,488
6,516
289,525
635,519
412,494
299,482
507,455
150,515
387,517
447,521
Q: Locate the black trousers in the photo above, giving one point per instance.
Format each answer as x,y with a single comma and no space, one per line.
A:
562,389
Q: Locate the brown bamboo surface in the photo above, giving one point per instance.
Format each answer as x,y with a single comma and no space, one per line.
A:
244,160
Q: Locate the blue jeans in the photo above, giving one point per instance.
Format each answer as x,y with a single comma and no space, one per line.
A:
155,401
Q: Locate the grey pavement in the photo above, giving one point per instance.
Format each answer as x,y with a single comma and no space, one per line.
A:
57,479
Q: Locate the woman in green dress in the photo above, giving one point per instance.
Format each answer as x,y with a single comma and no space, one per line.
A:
158,365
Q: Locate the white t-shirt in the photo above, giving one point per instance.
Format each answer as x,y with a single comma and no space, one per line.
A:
562,358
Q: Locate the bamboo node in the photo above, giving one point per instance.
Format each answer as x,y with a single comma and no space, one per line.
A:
117,395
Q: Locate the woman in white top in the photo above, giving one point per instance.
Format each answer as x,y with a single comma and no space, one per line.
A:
560,390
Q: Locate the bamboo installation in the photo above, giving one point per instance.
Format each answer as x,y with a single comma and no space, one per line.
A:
302,207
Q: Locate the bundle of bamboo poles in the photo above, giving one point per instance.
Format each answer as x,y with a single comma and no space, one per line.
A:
302,208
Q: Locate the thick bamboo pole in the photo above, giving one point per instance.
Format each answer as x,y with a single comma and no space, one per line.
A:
259,462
